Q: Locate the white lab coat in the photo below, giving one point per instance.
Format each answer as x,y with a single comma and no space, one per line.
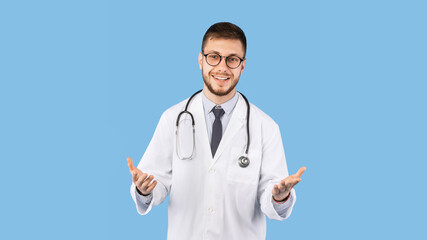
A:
214,198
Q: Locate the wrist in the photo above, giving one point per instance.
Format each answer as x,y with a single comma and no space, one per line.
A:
283,200
140,193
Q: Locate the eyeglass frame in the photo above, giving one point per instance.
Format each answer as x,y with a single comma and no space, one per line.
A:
220,59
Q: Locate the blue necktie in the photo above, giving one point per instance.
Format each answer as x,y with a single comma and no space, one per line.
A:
216,129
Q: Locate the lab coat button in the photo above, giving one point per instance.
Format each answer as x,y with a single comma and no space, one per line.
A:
210,210
212,171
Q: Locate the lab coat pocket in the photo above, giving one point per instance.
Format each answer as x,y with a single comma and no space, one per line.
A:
249,174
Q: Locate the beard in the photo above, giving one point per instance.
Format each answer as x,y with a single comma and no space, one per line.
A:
219,92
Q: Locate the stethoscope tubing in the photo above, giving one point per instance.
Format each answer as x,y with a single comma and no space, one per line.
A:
244,160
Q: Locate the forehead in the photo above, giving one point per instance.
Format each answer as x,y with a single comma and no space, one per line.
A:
224,46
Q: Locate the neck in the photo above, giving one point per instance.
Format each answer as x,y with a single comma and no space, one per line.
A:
218,100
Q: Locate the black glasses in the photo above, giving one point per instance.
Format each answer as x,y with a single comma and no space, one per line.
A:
214,59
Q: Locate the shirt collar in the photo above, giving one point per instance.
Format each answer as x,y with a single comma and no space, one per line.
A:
227,106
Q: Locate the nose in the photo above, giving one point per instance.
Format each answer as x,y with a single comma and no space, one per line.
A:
222,65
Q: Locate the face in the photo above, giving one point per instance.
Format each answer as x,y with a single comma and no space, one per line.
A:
213,76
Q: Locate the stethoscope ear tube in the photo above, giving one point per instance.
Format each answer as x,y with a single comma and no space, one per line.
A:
192,123
177,146
186,107
179,116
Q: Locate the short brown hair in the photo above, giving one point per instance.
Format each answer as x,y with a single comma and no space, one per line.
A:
225,30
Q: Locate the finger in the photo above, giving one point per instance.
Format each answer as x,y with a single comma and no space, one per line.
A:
300,172
276,189
136,175
153,182
147,182
140,180
152,186
294,182
283,183
130,164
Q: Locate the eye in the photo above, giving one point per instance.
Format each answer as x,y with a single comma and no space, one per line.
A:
233,59
213,56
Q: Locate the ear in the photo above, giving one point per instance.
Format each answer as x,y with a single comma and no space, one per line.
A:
200,60
243,66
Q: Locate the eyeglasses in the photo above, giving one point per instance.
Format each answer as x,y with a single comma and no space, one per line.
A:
214,59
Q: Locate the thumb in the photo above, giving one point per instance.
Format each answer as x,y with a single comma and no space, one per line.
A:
300,172
130,164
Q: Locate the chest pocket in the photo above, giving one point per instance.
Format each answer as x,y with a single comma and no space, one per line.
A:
249,174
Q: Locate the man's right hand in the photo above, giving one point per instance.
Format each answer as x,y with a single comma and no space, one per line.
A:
140,179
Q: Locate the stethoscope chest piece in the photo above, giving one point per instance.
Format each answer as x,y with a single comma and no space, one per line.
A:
244,161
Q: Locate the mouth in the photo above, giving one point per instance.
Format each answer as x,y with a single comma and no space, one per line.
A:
221,79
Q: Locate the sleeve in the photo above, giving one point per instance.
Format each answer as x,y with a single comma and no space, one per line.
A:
281,208
156,161
273,170
143,201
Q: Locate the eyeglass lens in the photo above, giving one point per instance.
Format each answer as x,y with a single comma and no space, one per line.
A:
231,61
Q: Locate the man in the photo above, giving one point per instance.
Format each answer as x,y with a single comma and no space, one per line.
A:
213,196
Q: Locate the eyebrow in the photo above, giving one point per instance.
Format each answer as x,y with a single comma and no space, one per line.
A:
233,54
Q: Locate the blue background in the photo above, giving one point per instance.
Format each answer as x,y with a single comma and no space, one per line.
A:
83,85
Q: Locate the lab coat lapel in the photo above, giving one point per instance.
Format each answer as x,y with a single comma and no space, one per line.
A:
236,122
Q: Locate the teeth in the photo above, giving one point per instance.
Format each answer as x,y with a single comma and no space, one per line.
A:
220,78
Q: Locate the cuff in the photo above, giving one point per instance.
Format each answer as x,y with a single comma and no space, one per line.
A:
146,199
283,208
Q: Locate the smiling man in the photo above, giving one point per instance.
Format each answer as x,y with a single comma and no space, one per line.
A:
221,77
235,173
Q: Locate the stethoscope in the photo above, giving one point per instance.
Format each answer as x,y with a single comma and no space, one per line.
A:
243,160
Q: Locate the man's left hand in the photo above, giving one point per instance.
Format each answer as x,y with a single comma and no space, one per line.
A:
282,190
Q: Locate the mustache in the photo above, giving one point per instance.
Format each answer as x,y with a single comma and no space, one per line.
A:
221,75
